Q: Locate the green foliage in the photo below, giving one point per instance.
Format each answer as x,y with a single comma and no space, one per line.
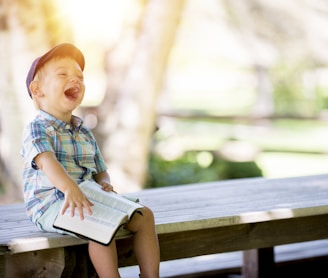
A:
295,91
183,170
189,169
238,170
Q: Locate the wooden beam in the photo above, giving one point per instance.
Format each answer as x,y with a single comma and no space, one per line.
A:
44,263
232,238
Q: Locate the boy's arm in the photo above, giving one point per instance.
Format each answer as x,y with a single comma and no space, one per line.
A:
57,175
103,179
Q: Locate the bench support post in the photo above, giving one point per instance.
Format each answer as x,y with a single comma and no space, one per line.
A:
77,262
258,263
43,263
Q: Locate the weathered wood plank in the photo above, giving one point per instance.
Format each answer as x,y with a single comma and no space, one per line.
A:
45,263
209,205
208,218
231,262
233,238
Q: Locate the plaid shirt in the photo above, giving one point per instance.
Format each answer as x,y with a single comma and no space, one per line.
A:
75,148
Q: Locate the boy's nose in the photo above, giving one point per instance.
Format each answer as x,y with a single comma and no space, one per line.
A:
74,78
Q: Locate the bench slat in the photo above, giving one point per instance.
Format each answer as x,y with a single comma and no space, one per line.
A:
199,219
207,205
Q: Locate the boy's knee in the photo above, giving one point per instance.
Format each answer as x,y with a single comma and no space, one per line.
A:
145,217
147,213
142,219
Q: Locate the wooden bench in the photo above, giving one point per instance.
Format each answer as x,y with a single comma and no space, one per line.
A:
250,215
302,259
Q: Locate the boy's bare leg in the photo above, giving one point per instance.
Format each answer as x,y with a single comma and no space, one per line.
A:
104,259
146,245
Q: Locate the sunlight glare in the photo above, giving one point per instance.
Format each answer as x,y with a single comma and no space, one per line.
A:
95,19
96,26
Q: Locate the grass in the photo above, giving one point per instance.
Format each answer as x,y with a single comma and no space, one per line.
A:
286,147
279,165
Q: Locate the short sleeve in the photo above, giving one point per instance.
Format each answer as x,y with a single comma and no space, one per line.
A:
36,140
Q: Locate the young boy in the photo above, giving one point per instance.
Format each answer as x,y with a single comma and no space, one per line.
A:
59,153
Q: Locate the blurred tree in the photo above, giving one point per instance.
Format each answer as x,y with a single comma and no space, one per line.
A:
135,72
136,69
26,29
280,34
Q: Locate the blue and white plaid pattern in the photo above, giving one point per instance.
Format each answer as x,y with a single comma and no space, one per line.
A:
75,148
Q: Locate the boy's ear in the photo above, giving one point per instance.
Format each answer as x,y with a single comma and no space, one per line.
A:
34,88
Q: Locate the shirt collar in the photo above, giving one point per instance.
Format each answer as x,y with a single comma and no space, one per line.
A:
75,123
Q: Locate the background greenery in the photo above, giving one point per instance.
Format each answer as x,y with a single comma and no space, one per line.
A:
280,148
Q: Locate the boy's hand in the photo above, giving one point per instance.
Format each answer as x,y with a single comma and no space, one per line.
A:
106,186
75,199
57,175
102,178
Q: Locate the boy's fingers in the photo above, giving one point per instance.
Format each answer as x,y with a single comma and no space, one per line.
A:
80,209
89,210
72,209
64,208
107,188
87,206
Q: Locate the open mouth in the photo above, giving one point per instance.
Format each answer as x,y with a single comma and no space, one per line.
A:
72,93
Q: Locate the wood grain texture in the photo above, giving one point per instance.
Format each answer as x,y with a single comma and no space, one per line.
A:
233,238
199,219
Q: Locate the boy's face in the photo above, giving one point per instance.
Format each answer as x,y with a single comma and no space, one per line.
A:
59,87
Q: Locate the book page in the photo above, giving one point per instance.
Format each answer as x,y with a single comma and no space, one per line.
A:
111,199
100,226
109,212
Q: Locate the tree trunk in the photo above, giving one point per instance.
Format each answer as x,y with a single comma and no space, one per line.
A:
130,108
259,52
26,31
10,114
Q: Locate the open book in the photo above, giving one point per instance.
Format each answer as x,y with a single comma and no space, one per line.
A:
109,212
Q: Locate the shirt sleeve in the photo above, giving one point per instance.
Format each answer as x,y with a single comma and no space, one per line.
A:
36,140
